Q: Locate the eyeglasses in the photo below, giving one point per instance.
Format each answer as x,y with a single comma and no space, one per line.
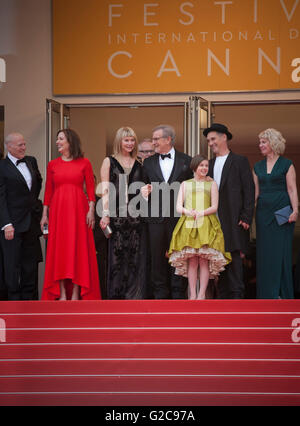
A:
146,151
157,139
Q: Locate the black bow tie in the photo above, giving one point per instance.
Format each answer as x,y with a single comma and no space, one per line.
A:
22,160
163,156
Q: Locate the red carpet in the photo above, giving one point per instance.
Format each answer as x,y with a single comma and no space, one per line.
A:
179,353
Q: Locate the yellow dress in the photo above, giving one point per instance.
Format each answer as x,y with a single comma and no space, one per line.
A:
202,237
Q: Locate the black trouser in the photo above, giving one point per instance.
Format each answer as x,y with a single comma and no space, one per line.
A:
165,284
231,284
3,290
20,264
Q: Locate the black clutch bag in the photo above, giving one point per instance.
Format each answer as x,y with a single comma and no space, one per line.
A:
282,215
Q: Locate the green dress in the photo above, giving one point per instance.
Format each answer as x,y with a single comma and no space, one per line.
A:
202,237
273,242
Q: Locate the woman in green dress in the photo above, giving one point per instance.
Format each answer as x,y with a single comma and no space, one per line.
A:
198,240
275,188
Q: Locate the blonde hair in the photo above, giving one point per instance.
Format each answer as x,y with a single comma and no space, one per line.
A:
276,140
122,133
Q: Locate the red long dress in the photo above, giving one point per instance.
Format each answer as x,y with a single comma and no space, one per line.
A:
71,252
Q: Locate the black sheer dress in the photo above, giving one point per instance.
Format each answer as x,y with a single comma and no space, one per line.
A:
127,244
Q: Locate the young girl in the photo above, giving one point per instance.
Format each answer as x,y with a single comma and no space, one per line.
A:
197,239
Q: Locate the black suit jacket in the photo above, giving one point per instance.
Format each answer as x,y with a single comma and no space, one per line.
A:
152,174
19,205
236,200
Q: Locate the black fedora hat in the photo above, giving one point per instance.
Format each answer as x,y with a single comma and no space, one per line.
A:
219,128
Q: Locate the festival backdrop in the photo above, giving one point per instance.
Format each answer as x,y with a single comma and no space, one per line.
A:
175,46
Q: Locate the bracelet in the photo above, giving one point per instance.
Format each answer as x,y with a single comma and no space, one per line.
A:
105,213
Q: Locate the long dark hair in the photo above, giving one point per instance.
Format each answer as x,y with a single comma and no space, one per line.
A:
74,141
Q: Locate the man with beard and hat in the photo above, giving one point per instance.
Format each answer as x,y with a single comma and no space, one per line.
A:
234,178
20,213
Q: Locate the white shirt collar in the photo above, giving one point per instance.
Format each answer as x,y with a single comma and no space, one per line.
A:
172,152
222,157
12,158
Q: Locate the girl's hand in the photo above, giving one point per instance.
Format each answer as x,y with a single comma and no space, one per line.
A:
199,214
190,213
104,222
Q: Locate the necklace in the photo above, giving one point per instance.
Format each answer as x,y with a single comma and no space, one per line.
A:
125,163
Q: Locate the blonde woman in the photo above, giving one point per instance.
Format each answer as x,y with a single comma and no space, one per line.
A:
275,188
126,257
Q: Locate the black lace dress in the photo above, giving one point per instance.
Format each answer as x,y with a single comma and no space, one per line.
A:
127,244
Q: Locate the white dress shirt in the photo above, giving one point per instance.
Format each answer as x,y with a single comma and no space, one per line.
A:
23,169
218,168
167,164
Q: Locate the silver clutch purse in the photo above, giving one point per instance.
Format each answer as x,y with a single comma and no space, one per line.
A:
107,231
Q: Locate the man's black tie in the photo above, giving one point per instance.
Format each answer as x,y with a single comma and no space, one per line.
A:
22,160
163,156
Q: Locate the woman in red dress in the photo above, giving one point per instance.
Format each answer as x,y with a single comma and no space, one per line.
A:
71,264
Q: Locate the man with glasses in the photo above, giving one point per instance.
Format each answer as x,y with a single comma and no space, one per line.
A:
145,149
167,168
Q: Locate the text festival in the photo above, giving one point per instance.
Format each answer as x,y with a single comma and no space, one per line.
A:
186,18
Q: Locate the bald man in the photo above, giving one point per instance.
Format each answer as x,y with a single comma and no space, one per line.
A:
3,293
20,212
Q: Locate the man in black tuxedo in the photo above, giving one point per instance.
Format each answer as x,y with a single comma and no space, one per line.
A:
3,292
166,167
20,213
233,175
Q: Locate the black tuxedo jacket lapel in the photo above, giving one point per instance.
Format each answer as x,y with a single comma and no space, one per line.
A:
211,168
13,169
226,170
176,168
158,169
33,176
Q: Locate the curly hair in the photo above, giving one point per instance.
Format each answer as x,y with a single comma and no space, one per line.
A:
276,140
